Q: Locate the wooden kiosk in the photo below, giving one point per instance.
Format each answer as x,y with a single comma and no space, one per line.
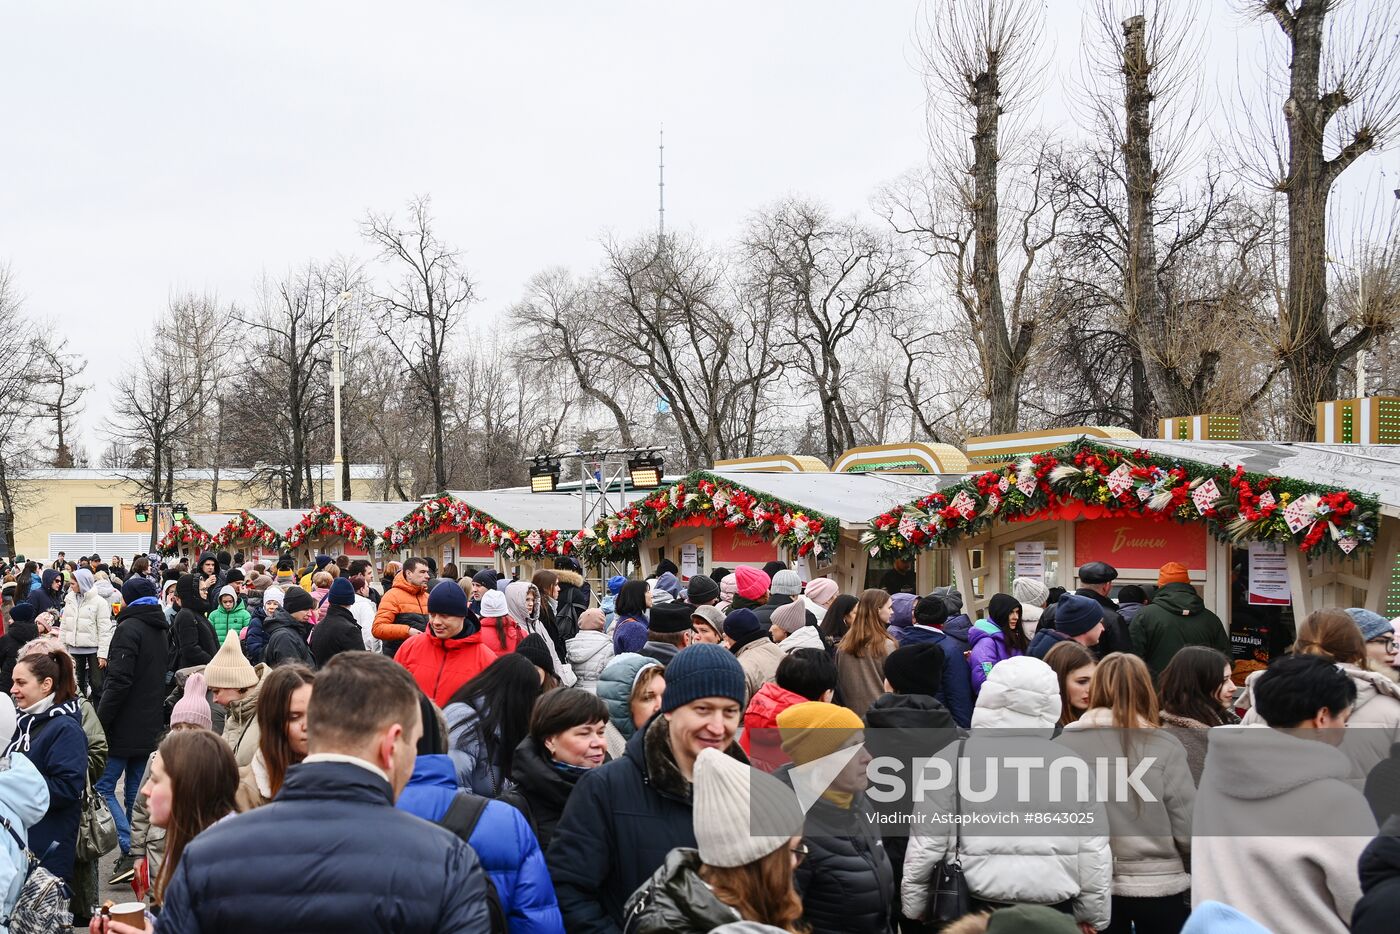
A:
726,517
1300,525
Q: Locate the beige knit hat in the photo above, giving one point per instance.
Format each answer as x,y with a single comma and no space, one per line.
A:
741,814
228,668
790,617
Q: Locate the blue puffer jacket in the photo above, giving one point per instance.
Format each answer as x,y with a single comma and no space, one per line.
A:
330,854
57,746
24,797
503,841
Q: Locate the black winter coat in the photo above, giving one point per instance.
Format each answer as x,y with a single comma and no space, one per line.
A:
905,727
540,791
337,632
313,862
15,637
846,881
621,821
132,706
1379,906
287,640
195,639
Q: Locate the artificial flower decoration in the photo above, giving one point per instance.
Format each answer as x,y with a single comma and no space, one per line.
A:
707,500
1236,506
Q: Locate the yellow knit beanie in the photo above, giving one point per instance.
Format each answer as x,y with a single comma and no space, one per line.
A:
812,730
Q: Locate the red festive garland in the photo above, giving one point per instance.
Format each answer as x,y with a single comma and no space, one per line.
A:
445,514
1235,505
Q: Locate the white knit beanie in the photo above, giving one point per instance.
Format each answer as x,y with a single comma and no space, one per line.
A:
731,800
1029,591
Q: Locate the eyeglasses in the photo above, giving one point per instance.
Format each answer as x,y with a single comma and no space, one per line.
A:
1391,645
799,853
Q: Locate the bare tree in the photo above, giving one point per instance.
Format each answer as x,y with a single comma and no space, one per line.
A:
1341,100
421,309
669,310
557,314
156,408
286,369
59,375
988,197
829,281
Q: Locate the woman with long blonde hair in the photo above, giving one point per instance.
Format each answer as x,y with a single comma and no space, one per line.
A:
1150,836
860,655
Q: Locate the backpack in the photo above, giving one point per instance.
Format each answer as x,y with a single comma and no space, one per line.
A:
42,905
461,818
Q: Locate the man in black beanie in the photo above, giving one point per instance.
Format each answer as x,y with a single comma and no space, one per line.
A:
702,591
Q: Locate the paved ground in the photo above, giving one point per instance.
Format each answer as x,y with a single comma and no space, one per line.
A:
118,893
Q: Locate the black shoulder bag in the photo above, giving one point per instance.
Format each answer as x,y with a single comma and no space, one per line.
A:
948,897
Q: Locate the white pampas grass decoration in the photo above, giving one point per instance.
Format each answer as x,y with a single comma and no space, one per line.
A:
1160,501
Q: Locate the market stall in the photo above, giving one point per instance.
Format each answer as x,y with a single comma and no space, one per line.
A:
195,533
259,533
354,528
1257,524
509,529
713,518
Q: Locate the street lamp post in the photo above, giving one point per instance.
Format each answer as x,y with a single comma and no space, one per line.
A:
341,480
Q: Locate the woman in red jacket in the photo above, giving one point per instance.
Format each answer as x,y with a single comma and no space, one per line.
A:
449,653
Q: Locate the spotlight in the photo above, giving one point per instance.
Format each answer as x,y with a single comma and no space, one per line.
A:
645,471
178,513
142,512
544,475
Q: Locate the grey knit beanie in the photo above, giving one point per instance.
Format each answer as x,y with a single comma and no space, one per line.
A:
740,813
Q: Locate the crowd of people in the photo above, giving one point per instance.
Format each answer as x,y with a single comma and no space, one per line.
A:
332,747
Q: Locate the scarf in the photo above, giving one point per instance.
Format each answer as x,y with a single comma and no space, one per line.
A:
569,770
38,713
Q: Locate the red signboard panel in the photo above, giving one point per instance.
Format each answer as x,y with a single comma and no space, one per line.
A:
469,549
1130,542
732,545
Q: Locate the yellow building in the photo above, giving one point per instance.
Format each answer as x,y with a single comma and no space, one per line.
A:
62,509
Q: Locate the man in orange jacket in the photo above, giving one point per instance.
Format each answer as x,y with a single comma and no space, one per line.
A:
404,609
449,653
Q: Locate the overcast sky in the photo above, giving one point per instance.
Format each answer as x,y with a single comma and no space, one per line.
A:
159,147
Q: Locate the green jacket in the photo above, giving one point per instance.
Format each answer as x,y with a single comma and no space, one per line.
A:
1174,619
227,621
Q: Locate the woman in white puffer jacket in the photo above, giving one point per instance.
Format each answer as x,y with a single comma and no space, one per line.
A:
1021,860
86,626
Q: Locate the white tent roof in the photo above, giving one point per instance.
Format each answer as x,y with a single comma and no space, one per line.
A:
373,515
279,520
1365,468
520,509
211,522
853,498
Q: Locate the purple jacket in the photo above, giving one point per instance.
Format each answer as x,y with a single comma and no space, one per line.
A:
988,648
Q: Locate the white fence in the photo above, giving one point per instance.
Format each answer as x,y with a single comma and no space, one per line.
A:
105,544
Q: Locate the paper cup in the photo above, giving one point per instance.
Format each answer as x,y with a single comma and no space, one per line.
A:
132,913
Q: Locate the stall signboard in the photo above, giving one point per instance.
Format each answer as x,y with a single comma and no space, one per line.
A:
1139,542
1030,560
473,551
732,546
1268,575
690,560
